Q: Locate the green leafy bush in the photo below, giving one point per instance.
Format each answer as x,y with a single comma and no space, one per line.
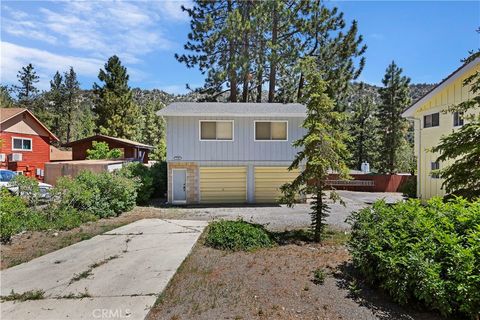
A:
101,150
159,176
103,194
16,216
143,178
28,189
12,211
237,236
427,253
409,188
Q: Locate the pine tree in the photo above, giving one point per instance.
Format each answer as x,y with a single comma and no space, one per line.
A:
395,96
363,125
153,130
461,148
246,44
27,91
55,100
72,92
6,100
322,149
117,114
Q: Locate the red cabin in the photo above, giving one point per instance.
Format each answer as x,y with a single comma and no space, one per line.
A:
24,142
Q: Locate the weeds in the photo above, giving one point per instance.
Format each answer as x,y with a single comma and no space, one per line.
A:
319,276
27,295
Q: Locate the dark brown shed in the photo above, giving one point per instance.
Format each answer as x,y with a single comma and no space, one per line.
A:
132,150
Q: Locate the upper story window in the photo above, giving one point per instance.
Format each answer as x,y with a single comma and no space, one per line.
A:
458,119
271,130
23,144
431,120
216,130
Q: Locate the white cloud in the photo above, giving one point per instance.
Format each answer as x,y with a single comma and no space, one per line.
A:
98,28
14,57
173,9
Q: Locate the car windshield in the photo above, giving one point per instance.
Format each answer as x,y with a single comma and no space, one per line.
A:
6,176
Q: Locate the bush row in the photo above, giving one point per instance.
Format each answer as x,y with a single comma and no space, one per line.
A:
425,253
73,201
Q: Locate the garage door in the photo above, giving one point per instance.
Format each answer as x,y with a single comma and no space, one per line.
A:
223,184
268,181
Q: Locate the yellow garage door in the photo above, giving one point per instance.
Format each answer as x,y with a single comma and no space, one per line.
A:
268,181
223,184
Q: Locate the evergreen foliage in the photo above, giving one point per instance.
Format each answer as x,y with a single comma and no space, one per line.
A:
395,97
27,90
462,147
243,45
117,114
323,149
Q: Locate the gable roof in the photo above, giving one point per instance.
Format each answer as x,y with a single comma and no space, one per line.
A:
126,142
233,109
9,113
444,83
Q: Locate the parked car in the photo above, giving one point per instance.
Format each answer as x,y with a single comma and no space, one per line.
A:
6,176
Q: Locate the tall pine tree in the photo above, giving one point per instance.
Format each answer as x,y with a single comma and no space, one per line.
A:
27,91
72,103
117,114
395,97
323,149
153,130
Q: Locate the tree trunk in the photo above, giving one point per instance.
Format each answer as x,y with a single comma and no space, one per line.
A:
317,236
232,75
273,58
300,87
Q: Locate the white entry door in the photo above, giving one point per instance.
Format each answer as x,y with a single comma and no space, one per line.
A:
179,181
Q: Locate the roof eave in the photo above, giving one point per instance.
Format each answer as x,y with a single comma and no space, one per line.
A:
209,114
448,80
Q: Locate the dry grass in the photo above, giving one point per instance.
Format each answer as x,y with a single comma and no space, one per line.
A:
273,283
30,245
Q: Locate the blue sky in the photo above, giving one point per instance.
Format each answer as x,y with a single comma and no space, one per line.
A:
427,39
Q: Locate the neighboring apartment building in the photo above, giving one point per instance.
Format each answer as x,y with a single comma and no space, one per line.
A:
230,152
431,124
25,142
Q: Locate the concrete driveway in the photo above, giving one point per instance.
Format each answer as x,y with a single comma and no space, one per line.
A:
116,275
281,217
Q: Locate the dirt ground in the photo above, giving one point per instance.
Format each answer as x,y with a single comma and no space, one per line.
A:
29,245
274,283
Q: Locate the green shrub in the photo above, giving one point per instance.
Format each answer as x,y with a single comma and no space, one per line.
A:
103,194
12,210
101,150
319,276
429,254
237,235
159,175
143,178
28,188
409,188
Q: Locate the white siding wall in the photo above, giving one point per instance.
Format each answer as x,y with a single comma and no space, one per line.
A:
183,141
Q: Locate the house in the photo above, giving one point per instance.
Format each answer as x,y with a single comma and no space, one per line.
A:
431,124
25,142
230,152
131,150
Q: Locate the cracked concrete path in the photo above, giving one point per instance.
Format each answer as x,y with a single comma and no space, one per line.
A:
116,275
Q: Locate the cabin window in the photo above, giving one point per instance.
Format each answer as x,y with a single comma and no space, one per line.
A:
434,166
23,144
216,130
431,120
271,131
457,119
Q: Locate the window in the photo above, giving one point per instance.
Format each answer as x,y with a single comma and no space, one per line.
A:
271,131
22,144
431,120
457,119
434,166
216,130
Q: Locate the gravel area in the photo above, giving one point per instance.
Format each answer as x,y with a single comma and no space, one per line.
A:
281,217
